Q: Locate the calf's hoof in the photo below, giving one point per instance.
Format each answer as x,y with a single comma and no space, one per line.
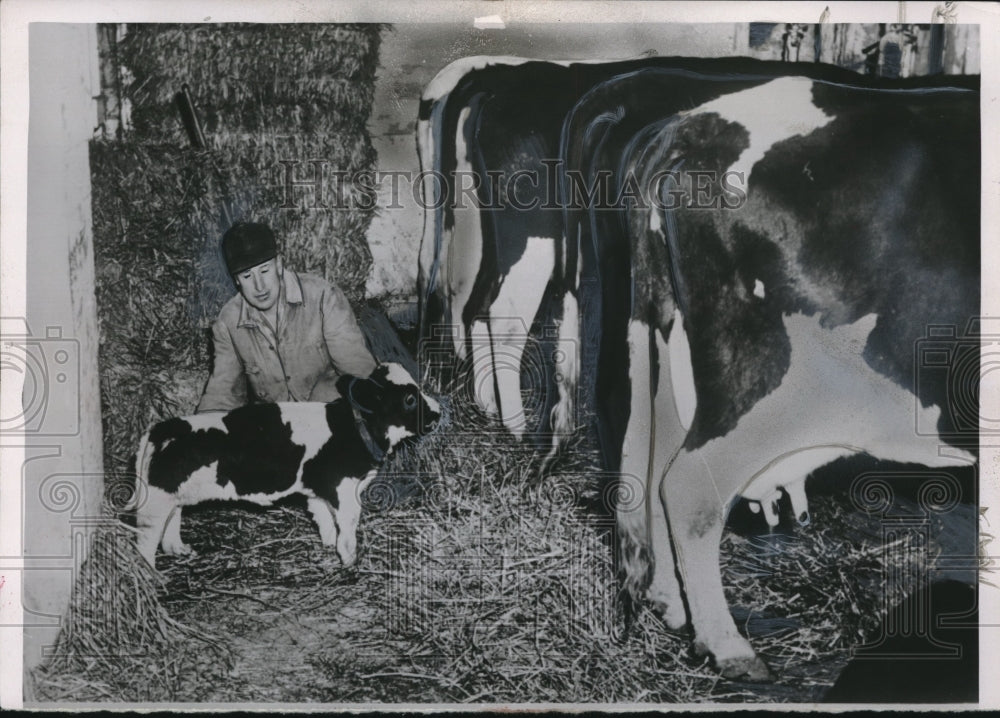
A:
674,616
178,549
747,668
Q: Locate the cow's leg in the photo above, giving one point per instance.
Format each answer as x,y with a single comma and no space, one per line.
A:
348,514
462,244
697,512
566,365
482,368
652,436
151,516
567,368
322,513
509,337
777,443
511,315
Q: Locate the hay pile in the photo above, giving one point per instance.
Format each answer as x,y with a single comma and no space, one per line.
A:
266,94
118,642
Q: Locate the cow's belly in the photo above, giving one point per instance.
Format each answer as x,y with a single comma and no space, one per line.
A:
830,403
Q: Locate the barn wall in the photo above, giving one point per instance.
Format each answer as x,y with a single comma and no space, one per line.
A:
62,481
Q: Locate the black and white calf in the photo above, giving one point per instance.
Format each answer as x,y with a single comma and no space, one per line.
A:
263,452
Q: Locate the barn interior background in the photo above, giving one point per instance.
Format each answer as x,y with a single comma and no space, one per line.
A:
246,622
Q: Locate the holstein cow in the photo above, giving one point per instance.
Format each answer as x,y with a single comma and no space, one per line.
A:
787,241
607,124
495,255
263,452
599,131
491,246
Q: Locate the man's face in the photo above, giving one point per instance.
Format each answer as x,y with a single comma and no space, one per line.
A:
259,285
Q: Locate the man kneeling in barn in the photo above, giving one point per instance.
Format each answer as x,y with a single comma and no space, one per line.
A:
285,336
289,339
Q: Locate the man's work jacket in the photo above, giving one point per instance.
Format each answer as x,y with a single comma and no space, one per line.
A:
317,340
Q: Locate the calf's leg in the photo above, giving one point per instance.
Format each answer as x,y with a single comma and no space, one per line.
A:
322,513
151,516
172,542
348,514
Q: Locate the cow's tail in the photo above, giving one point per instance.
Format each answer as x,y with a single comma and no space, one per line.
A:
655,300
567,374
427,265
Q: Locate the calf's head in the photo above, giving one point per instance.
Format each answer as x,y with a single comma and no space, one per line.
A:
390,403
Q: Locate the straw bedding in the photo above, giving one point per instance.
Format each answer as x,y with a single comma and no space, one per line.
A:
476,582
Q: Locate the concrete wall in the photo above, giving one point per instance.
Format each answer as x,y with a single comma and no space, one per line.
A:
62,481
412,54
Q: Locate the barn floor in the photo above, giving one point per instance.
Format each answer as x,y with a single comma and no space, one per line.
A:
478,583
431,620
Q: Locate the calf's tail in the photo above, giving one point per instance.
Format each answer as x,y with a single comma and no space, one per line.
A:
142,459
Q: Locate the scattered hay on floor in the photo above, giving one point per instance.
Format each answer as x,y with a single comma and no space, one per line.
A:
501,586
118,643
477,582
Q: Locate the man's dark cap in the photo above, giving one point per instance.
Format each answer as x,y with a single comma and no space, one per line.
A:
246,245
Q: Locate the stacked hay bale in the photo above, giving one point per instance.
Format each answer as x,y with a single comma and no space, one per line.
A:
272,98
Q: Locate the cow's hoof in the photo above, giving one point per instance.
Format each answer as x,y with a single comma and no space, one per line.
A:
750,669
